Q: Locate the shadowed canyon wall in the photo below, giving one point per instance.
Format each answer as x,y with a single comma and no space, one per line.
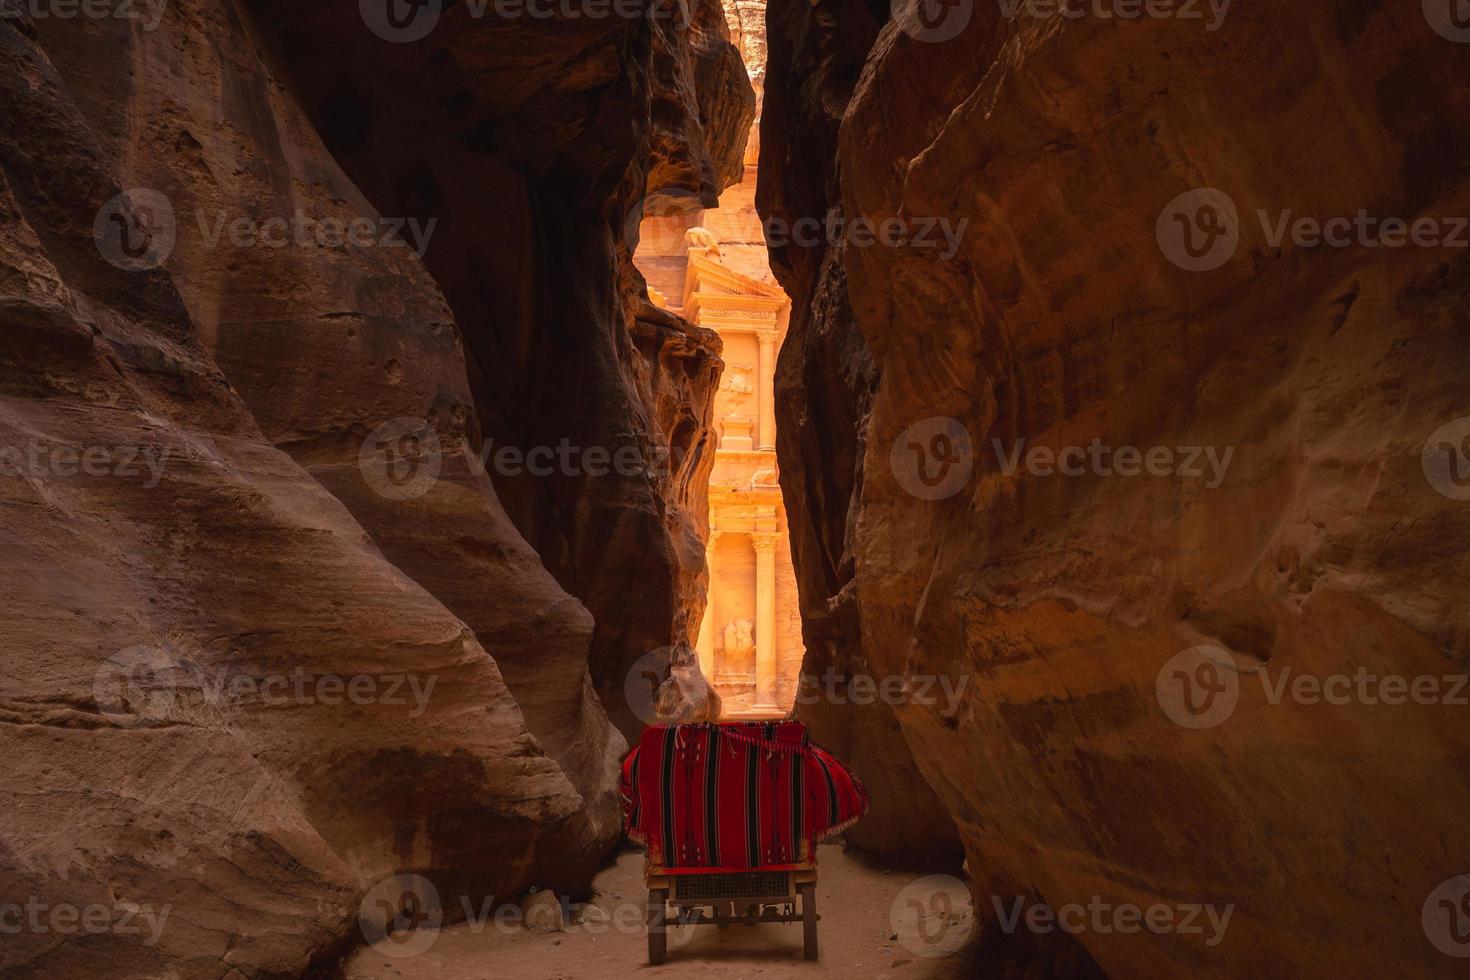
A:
255,664
1121,636
537,144
824,388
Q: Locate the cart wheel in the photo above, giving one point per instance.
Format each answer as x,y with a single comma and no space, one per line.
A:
658,931
808,894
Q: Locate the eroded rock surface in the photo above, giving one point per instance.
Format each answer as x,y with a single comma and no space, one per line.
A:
1062,318
326,345
449,725
534,142
825,382
255,818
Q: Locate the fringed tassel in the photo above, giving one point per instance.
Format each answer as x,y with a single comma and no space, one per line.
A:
823,835
779,748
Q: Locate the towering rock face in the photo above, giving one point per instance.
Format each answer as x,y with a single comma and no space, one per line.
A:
271,636
700,88
186,617
536,144
1074,308
825,382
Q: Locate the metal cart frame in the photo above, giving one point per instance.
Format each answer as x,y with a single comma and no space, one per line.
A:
723,898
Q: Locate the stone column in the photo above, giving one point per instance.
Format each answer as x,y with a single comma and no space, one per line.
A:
706,647
766,438
765,614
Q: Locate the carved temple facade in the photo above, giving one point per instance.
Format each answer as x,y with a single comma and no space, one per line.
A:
750,638
711,268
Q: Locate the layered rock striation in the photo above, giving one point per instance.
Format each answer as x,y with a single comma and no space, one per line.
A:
826,379
1131,273
537,144
275,631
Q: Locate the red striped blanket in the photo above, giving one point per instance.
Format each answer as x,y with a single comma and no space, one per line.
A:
735,796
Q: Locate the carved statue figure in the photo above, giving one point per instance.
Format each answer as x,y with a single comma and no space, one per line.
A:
702,238
739,637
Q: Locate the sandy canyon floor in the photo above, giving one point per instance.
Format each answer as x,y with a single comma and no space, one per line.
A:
857,935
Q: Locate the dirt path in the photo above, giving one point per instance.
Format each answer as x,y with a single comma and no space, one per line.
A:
857,937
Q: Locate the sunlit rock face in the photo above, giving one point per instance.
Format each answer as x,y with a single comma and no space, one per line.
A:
536,141
1332,544
711,266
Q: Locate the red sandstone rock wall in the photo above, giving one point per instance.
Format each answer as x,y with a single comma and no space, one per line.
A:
825,382
536,141
276,541
1333,544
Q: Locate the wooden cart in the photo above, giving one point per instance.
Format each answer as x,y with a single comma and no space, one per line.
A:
731,814
697,898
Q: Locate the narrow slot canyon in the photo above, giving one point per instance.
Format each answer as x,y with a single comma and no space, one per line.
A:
1053,416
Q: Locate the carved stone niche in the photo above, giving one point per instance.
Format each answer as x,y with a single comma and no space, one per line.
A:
737,433
739,639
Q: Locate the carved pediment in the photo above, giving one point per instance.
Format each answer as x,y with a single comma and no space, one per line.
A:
707,279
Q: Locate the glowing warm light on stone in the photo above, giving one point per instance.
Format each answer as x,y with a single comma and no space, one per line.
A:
711,267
